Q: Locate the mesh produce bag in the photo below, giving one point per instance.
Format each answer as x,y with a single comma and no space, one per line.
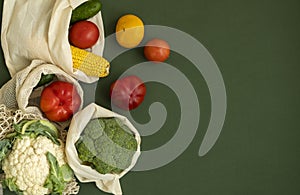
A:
107,182
38,29
8,117
20,92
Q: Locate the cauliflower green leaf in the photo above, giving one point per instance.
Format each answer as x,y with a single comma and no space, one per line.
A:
5,146
10,184
58,177
34,128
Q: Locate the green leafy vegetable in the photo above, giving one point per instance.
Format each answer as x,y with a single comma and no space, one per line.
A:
10,184
67,173
45,79
55,181
106,145
34,128
5,146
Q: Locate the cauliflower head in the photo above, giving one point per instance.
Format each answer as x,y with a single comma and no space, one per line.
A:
33,160
27,163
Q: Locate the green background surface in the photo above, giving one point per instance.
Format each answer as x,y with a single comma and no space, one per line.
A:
256,45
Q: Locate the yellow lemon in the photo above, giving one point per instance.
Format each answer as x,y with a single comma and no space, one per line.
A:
129,31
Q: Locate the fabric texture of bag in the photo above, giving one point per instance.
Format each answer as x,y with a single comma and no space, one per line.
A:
38,29
107,182
19,92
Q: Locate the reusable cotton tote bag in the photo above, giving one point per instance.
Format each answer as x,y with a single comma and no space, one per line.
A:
107,182
38,29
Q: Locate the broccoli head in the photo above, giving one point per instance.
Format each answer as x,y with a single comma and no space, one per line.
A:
107,145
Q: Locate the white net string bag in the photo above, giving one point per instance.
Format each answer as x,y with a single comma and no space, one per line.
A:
8,117
43,28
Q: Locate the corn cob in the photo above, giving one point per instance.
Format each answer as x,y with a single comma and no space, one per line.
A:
89,63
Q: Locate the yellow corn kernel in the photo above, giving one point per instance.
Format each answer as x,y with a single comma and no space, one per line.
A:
89,63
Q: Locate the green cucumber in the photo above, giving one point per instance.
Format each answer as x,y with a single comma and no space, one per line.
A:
45,79
85,10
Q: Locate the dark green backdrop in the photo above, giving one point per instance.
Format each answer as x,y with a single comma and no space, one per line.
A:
256,45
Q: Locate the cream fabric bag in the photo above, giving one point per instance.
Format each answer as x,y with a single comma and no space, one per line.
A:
38,29
109,182
18,92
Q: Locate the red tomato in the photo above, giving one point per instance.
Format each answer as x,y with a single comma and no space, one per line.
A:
128,93
157,50
59,101
83,34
